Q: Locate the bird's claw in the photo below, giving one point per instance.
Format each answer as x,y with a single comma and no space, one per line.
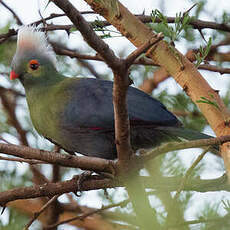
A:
82,177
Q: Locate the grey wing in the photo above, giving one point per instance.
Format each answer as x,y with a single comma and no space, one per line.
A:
145,108
91,105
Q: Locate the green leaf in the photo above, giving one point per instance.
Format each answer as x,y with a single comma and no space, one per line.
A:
207,101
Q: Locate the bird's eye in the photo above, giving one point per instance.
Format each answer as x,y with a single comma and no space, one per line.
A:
34,64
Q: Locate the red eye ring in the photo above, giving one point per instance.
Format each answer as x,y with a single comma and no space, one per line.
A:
34,64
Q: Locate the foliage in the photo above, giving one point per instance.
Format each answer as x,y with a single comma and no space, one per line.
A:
203,52
207,101
181,23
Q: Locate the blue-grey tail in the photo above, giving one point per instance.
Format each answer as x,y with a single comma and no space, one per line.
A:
188,134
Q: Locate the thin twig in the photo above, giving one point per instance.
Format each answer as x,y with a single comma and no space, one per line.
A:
89,34
83,216
196,23
9,104
140,61
37,214
13,91
4,140
172,146
142,49
214,68
200,221
90,67
187,11
19,22
54,15
189,171
21,160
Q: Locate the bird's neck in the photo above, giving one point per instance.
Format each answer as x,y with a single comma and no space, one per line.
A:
37,85
41,89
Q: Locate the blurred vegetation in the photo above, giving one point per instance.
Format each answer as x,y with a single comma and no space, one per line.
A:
169,211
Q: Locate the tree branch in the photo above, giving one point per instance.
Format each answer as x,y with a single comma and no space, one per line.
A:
165,183
88,33
195,23
66,160
189,171
19,22
172,146
9,104
21,160
52,189
140,61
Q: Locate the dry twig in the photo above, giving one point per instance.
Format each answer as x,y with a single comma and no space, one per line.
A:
37,214
83,216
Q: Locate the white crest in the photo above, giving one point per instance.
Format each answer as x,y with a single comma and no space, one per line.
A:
32,40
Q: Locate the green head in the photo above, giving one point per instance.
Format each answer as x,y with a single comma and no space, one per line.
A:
34,59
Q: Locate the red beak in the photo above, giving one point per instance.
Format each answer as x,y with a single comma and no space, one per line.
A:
13,75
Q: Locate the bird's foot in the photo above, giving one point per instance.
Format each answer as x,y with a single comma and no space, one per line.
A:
87,175
82,177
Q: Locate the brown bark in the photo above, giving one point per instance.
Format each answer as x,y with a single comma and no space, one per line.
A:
221,57
52,189
150,84
83,162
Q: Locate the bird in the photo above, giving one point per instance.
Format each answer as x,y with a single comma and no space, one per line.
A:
76,113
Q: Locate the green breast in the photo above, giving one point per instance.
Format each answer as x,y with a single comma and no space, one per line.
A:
46,105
